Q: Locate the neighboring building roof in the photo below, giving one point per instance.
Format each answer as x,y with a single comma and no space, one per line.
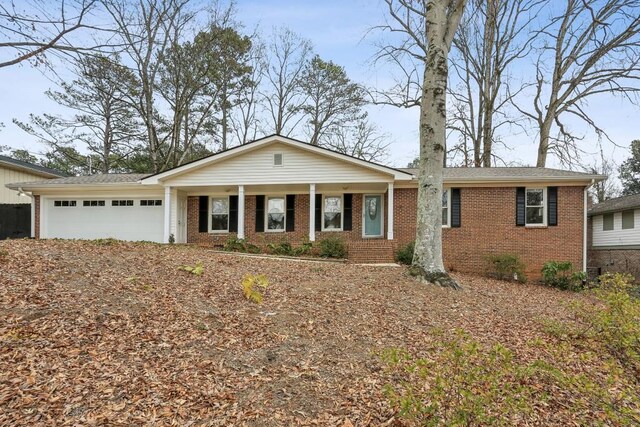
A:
30,167
112,178
510,174
618,204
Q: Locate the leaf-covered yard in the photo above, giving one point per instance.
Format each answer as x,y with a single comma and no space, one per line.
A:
115,333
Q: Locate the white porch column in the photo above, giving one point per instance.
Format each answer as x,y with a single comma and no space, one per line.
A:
167,214
312,212
240,211
390,212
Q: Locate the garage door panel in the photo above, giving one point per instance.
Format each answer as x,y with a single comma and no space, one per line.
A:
132,223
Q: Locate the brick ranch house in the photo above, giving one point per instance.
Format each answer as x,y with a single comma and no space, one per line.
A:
277,188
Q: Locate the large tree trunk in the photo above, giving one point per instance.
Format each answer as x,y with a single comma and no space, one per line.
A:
427,257
543,144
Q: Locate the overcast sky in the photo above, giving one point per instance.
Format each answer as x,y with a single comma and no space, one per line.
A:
337,29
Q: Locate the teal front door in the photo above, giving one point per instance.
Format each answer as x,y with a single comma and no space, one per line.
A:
373,216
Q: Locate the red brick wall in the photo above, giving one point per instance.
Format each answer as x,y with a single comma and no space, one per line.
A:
301,226
488,227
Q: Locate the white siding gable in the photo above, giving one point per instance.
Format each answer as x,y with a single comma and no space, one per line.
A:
8,176
298,167
617,236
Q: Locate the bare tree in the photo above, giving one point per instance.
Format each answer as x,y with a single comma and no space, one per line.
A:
33,28
607,188
147,28
362,140
589,48
288,54
332,99
440,20
103,122
244,119
492,36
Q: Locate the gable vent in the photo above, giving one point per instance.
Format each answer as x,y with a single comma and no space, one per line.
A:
277,159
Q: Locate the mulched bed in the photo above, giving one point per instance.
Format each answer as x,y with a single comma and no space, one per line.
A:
115,334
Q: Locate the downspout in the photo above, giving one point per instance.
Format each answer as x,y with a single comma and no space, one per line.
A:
585,230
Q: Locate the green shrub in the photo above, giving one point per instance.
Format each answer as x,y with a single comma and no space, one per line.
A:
560,274
462,382
252,249
404,255
235,245
282,248
507,267
304,249
616,321
333,247
172,239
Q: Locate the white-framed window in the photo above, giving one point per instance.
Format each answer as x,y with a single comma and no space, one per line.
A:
628,220
150,202
64,203
220,214
607,222
92,203
122,203
275,213
446,207
278,159
332,213
535,206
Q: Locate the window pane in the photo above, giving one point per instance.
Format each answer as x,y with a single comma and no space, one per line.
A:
535,197
445,216
333,204
607,222
275,213
220,206
332,213
627,220
220,222
534,215
332,220
445,199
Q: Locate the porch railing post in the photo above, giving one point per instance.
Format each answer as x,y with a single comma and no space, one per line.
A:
312,212
241,212
390,212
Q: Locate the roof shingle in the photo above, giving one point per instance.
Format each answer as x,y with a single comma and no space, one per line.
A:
112,178
618,204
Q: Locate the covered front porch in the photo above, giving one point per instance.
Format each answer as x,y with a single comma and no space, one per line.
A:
211,214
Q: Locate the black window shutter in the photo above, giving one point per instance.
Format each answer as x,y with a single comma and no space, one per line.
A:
318,212
259,214
203,214
455,207
520,206
291,212
552,205
348,212
233,214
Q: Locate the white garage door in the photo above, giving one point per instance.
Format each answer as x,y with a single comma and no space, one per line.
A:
131,219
